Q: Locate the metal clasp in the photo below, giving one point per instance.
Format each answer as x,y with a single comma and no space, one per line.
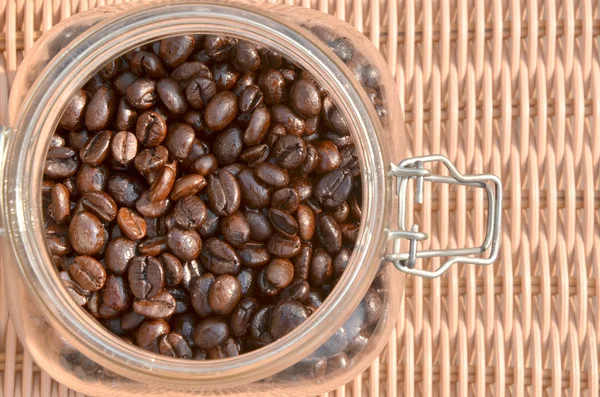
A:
413,168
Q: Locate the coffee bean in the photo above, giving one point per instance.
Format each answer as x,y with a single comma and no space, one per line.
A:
163,184
124,189
306,222
191,270
221,110
179,141
130,320
340,262
372,307
101,109
78,139
73,117
97,148
286,316
88,273
210,332
219,257
329,234
260,226
334,118
349,160
350,231
302,261
280,272
224,193
170,94
205,165
152,209
272,174
219,47
329,156
304,188
153,246
225,76
224,295
241,316
254,255
61,162
199,149
283,222
182,302
310,162
286,199
149,332
110,69
146,277
250,98
184,324
272,84
199,91
283,246
337,362
244,57
189,212
333,189
235,229
211,225
297,291
119,252
116,295
200,288
150,129
124,147
257,127
341,213
172,269
60,208
86,234
305,98
199,355
289,151
260,324
122,80
321,267
286,117
160,306
141,94
175,50
174,345
79,295
184,244
100,204
147,64
151,160
190,70
132,225
253,192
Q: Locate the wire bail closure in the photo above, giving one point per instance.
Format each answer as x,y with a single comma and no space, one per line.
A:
413,168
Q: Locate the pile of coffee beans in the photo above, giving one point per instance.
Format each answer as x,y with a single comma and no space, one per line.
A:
202,197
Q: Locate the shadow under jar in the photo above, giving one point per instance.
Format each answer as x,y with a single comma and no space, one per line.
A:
346,330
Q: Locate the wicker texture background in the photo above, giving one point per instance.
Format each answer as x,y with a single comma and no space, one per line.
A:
510,87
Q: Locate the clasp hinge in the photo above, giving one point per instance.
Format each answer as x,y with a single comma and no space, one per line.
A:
413,168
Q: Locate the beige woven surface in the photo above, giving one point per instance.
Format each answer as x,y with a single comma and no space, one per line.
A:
510,87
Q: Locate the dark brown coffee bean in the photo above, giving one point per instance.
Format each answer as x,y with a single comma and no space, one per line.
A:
211,225
341,213
260,226
210,332
251,97
88,273
286,199
349,160
219,47
219,257
141,94
205,165
302,261
329,156
272,174
100,204
156,227
289,151
60,207
286,117
225,76
280,272
130,320
245,80
152,209
170,94
191,270
175,346
149,332
286,316
150,129
160,306
146,277
340,262
283,246
260,324
122,80
289,75
350,231
101,109
124,189
97,148
163,184
321,267
272,84
74,115
306,222
132,225
257,127
283,222
179,141
229,348
235,229
333,189
329,234
221,110
269,58
184,324
247,280
199,292
79,295
199,149
115,294
199,91
184,244
224,295
119,252
372,306
224,193
78,139
86,234
228,145
310,162
190,70
245,57
254,194
153,246
297,291
254,255
151,160
182,302
241,316
189,212
61,162
334,118
124,147
174,51
95,83
172,269
147,64
305,98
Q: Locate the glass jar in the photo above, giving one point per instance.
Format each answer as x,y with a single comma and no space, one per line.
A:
342,337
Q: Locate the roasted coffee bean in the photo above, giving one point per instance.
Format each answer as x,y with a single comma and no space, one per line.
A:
130,320
372,307
333,189
79,295
97,148
289,75
269,58
86,234
200,288
302,261
152,209
122,80
189,212
260,226
306,222
110,69
153,246
280,272
101,109
341,213
174,51
305,98
329,234
182,302
60,208
334,118
254,255
337,362
184,244
221,110
94,83
349,160
260,324
219,47
272,174
73,117
321,267
199,149
228,145
250,98
147,64
184,325
255,155
257,127
289,151
174,345
286,199
132,225
205,165
163,184
283,246
160,306
211,225
272,84
150,129
329,156
254,194
115,294
146,276
224,295
156,227
149,332
303,187
191,70
191,270
78,139
241,316
199,91
350,231
61,162
151,160
235,229
311,160
170,94
141,94
199,355
100,204
297,291
229,348
119,252
224,193
124,147
210,332
283,222
245,80
179,141
286,316
172,269
219,257
124,189
88,273
244,57
286,117
340,262
225,76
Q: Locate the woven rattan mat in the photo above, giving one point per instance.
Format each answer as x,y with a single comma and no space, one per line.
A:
510,87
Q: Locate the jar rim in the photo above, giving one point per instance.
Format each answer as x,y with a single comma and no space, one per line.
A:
46,100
